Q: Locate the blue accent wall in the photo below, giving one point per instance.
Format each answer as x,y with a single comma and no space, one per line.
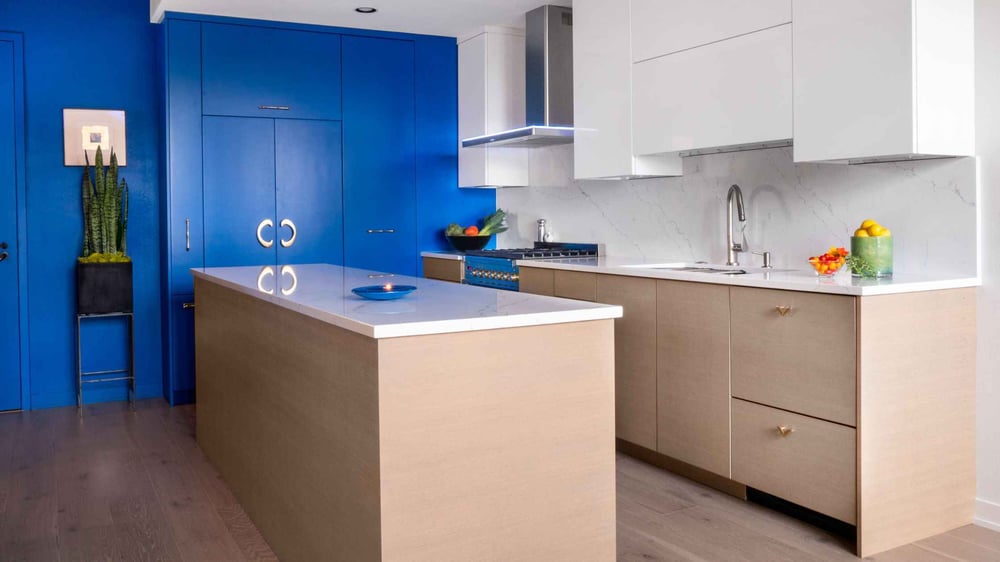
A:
108,56
439,202
86,55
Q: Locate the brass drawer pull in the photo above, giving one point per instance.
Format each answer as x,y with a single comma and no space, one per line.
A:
784,430
783,310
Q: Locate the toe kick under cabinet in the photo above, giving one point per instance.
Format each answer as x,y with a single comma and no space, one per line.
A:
859,408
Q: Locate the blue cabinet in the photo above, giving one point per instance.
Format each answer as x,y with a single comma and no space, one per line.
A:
239,191
182,189
268,72
272,191
379,156
181,365
361,169
309,191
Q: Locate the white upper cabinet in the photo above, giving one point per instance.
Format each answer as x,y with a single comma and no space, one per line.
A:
661,27
491,99
602,96
731,93
883,80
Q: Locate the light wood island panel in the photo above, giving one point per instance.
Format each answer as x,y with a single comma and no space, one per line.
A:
423,448
917,416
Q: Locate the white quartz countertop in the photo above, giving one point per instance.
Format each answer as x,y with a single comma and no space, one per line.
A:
323,291
792,280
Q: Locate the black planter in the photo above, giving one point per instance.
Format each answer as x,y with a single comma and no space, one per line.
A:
103,288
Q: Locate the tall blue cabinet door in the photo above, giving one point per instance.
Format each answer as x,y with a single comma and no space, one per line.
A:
10,329
239,191
309,183
379,157
267,72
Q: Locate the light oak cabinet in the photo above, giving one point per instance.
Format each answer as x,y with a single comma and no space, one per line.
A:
804,460
796,351
577,285
602,96
635,356
734,92
692,374
860,408
883,80
444,269
581,286
537,281
661,27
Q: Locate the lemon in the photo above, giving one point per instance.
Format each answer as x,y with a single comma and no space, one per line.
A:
868,223
885,232
875,230
861,233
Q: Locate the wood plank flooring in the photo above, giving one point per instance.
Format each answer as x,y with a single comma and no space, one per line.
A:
123,486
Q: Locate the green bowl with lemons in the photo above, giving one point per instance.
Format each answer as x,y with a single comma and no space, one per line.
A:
871,247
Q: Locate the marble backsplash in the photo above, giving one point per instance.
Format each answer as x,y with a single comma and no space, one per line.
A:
793,210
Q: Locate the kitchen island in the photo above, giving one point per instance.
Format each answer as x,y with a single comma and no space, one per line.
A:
459,423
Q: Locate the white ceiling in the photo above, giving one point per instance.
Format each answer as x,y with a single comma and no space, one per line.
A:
451,18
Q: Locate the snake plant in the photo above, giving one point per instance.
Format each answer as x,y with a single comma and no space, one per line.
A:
105,212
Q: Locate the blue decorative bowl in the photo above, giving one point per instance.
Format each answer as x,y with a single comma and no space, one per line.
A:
383,292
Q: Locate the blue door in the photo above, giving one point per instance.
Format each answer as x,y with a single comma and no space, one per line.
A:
10,349
238,163
379,158
309,199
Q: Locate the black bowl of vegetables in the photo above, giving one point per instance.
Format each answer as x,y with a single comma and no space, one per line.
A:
473,237
464,243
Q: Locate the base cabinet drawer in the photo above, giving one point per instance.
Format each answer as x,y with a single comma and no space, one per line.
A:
796,351
804,460
444,269
576,285
537,281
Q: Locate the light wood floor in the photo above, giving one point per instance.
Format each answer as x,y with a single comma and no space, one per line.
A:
127,486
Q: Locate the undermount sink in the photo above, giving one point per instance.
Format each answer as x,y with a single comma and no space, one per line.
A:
716,269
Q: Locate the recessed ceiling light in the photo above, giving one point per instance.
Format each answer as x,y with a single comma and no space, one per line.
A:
365,10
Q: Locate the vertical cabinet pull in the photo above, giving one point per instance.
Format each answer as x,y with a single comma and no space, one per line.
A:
187,235
260,234
291,226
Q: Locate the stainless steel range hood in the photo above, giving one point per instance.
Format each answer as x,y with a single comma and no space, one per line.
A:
548,81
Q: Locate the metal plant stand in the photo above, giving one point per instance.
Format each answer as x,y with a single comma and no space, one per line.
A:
128,374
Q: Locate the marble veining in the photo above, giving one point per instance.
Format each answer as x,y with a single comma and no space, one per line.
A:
793,210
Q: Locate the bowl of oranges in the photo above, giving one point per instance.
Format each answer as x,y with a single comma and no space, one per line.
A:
830,262
871,247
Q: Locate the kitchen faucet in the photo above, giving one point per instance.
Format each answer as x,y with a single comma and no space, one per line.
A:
732,247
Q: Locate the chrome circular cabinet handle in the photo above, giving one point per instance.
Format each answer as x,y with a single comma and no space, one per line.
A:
783,310
295,232
260,236
784,430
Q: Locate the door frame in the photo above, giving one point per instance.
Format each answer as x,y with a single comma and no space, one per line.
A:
20,198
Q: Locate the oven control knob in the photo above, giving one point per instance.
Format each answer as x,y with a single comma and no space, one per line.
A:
506,276
515,277
490,275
